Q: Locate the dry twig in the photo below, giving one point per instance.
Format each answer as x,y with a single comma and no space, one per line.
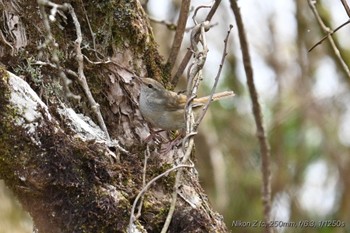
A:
180,30
81,76
168,24
93,37
206,106
329,36
264,146
144,189
187,57
79,56
50,41
195,75
346,7
147,155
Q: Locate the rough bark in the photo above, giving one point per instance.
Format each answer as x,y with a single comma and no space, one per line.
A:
53,156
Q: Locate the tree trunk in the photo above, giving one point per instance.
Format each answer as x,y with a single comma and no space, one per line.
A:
62,167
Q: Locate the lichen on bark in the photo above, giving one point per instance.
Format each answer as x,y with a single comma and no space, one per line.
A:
68,183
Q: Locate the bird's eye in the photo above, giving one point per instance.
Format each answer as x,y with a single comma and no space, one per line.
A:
150,85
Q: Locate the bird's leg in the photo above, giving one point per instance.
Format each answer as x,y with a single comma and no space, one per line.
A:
174,142
166,145
154,134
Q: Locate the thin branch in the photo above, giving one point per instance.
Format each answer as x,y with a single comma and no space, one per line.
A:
144,189
346,7
331,41
68,71
50,41
188,54
79,56
211,26
97,62
180,30
196,11
176,187
206,106
81,76
147,155
329,34
195,75
264,146
213,10
6,42
169,25
93,37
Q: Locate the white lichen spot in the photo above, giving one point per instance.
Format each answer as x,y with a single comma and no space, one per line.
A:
27,104
82,125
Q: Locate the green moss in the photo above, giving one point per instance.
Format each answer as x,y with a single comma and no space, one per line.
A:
119,18
3,75
4,124
123,27
45,179
155,212
66,169
169,180
15,147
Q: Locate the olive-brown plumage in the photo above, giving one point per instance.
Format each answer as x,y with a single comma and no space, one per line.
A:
166,109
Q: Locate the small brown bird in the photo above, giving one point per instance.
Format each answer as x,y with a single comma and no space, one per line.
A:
166,109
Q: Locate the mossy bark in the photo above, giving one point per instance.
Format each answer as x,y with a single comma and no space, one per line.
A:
68,183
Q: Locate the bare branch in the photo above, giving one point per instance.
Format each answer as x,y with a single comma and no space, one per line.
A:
147,155
195,13
224,54
330,33
346,7
98,62
81,76
49,41
329,36
6,42
79,56
90,28
68,71
180,30
169,25
176,187
144,189
213,10
195,75
264,146
187,57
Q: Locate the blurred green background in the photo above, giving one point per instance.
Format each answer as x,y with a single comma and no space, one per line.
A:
305,101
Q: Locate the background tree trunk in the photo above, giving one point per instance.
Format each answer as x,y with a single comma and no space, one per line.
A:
52,156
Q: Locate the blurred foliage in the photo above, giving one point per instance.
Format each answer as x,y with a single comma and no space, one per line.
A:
12,218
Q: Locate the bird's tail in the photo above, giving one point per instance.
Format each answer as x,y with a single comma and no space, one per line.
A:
216,96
